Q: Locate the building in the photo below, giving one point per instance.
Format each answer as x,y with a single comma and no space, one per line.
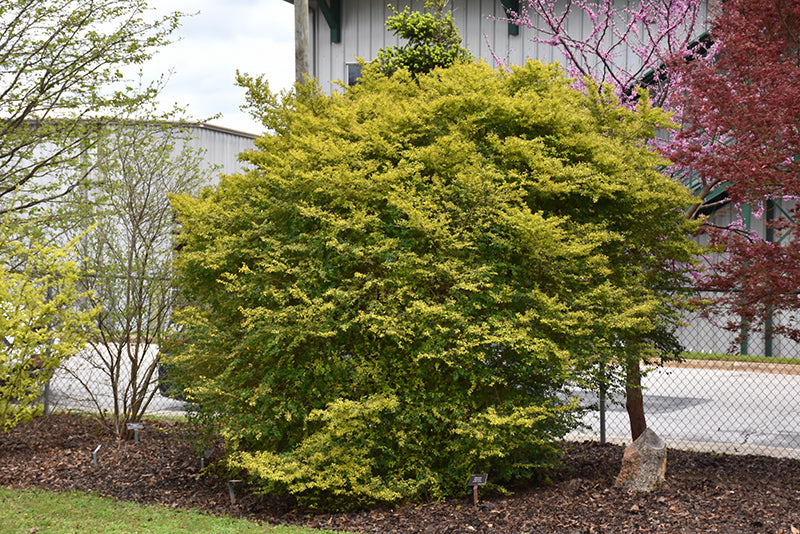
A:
221,146
343,30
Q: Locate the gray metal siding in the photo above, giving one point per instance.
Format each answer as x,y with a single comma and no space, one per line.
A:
479,21
221,147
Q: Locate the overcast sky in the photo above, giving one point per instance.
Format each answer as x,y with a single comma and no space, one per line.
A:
254,36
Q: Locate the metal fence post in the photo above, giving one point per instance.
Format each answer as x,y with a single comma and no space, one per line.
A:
602,400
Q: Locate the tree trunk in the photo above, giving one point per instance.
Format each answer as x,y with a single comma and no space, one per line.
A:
634,402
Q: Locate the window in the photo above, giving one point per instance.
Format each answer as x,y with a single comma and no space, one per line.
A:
353,73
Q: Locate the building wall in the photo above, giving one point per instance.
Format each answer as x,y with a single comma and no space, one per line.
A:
479,22
221,146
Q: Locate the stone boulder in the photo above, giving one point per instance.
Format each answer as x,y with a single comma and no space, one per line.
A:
643,463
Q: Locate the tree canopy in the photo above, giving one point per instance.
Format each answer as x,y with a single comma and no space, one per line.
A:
62,77
624,44
740,106
734,92
62,81
401,290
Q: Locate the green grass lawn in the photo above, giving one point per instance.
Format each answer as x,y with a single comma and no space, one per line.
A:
738,358
42,512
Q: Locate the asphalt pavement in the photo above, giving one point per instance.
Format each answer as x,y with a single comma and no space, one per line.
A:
742,412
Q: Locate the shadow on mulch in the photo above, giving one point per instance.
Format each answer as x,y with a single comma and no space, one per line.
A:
704,493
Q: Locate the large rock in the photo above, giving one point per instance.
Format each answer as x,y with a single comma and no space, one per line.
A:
643,463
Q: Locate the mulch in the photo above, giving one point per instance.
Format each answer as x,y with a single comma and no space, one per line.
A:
704,493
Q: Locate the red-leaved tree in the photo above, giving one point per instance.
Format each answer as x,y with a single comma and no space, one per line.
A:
739,105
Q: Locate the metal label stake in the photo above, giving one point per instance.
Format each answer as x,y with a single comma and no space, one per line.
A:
230,490
475,481
136,427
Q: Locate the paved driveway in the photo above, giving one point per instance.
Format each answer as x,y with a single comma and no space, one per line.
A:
736,411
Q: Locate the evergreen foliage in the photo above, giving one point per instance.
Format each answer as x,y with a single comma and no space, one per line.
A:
401,290
431,40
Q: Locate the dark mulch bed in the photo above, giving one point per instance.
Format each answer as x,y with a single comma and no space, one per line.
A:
705,492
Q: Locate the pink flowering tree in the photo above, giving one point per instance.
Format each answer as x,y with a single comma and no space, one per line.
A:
624,44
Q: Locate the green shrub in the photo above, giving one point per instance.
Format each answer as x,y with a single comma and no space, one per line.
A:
399,292
40,324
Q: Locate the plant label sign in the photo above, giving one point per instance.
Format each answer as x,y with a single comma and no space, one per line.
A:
136,427
477,480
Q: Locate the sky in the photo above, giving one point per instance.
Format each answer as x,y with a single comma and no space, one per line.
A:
253,36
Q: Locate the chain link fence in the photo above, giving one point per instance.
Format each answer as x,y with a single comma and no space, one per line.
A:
712,401
84,383
733,393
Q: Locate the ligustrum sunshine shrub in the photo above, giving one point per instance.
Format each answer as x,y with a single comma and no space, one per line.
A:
401,289
41,320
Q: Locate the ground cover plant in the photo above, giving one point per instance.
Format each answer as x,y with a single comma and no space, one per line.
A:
704,492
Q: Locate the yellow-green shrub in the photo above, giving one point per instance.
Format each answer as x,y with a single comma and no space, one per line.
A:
399,291
40,323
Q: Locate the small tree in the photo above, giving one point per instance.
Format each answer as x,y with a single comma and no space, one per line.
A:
128,257
40,321
60,79
398,293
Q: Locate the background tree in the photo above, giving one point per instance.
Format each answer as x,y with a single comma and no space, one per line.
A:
127,258
61,85
431,40
61,64
740,109
627,44
398,293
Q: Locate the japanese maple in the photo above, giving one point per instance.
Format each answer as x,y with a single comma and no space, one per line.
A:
739,105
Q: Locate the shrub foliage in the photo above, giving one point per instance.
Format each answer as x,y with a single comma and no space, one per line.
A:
41,323
398,293
431,40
